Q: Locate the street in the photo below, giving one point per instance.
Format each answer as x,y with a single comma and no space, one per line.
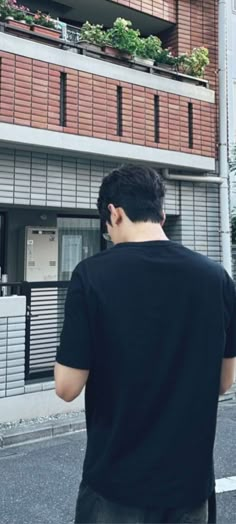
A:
39,481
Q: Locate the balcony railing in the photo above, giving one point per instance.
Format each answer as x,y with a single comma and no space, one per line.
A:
70,41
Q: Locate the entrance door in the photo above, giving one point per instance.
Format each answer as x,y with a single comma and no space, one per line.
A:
78,238
2,244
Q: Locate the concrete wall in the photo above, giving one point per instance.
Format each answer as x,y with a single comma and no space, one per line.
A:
17,399
12,346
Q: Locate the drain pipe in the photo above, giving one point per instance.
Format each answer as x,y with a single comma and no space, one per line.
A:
223,152
192,178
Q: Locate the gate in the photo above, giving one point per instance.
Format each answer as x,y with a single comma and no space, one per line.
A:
44,321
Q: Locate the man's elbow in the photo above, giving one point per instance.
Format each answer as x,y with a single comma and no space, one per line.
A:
225,386
66,395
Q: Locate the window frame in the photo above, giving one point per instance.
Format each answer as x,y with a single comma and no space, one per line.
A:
3,239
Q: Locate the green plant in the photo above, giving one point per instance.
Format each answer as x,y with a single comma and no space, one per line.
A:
10,8
29,19
93,34
141,49
121,36
152,46
6,9
164,56
44,20
148,47
196,63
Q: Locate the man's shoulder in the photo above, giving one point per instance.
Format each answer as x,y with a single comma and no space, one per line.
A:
94,261
203,265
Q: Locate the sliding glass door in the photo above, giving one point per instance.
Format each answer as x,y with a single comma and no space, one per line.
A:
78,238
2,243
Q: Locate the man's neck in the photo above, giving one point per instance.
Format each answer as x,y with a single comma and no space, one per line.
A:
145,232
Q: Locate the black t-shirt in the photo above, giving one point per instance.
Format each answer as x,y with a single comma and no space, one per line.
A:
152,322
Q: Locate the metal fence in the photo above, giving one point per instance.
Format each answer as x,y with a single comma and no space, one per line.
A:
44,321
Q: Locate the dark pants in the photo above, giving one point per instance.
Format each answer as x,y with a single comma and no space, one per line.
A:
92,508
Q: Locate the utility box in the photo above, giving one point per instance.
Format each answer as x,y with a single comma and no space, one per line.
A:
41,254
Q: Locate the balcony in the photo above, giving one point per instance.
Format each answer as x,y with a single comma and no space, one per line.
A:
69,98
70,41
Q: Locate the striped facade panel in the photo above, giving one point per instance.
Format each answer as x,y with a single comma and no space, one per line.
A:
12,356
173,228
200,218
40,179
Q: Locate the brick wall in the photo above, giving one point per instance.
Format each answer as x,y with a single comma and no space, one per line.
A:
165,9
30,96
197,26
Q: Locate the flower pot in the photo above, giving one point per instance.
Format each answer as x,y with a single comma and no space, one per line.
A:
168,67
126,56
46,31
148,62
18,24
111,51
89,46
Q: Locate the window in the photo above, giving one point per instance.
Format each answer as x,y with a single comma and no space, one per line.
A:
157,118
78,238
63,78
119,112
2,244
190,125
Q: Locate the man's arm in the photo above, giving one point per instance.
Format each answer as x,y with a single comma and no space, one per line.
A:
227,374
69,382
229,360
74,355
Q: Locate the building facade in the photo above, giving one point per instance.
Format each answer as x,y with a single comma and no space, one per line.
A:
231,48
67,117
231,22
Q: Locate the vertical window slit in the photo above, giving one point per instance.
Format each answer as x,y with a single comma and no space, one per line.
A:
63,79
157,118
190,125
119,112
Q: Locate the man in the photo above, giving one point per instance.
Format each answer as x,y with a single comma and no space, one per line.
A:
150,328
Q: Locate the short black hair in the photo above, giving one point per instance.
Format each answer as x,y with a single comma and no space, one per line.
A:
139,190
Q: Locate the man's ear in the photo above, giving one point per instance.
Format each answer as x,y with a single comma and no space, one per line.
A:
164,219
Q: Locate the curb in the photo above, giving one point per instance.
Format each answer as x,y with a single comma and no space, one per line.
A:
45,431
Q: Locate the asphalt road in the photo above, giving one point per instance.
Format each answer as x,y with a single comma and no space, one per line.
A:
39,482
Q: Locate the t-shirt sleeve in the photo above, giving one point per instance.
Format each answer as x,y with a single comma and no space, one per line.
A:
230,302
75,344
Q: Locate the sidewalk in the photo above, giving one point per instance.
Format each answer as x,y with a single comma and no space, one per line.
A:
42,428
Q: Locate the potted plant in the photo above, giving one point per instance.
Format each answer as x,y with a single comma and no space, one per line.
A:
147,50
121,39
6,9
195,64
165,59
21,17
92,36
44,25
141,56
